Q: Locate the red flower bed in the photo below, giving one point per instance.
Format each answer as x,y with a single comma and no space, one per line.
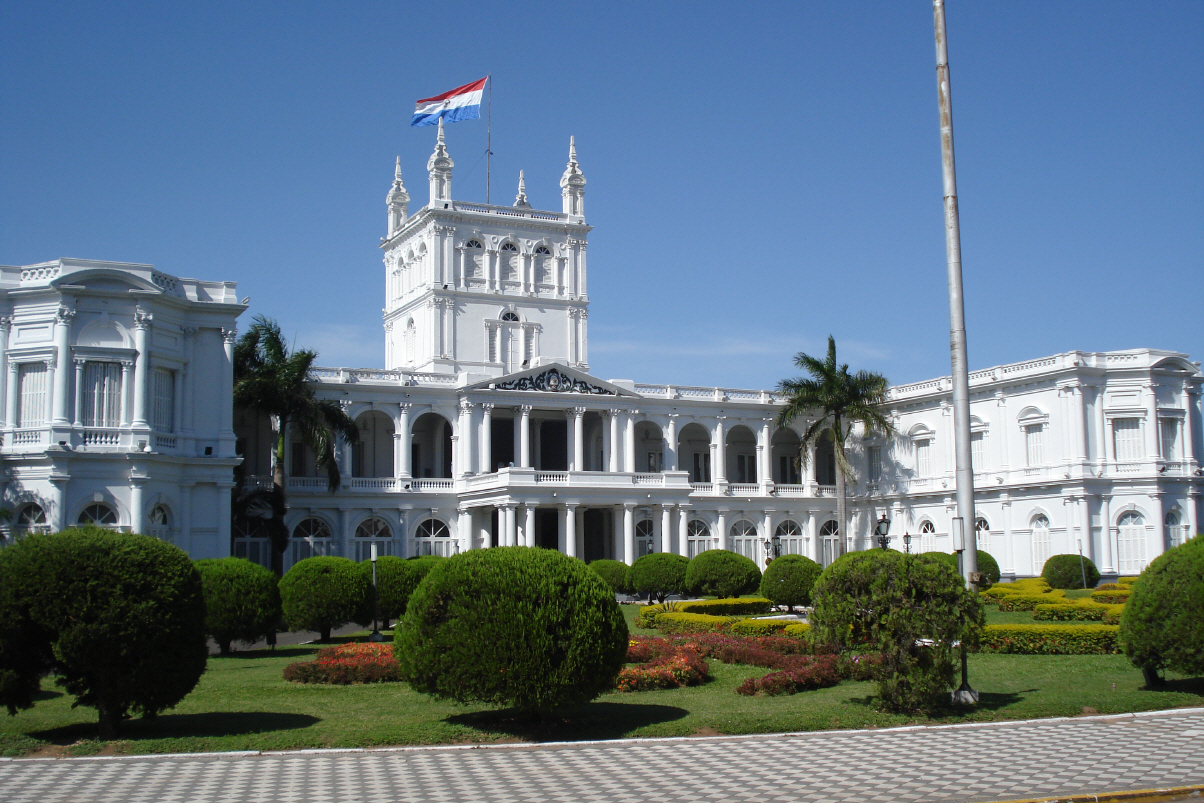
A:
673,668
804,673
347,663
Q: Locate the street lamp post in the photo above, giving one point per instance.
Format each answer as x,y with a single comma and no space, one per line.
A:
773,548
907,543
376,636
882,530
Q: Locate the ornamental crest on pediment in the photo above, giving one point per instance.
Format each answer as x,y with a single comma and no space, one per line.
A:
554,381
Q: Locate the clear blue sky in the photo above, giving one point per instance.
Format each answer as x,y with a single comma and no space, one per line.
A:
760,174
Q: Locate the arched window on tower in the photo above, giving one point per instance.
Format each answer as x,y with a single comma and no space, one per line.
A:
1041,545
511,266
474,260
543,265
411,334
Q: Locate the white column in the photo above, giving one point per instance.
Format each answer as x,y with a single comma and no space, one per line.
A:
670,447
126,370
570,530
579,523
612,463
1106,565
188,410
11,397
464,455
524,434
1158,503
529,525
721,531
665,535
449,316
765,455
79,388
768,531
719,438
813,535
402,439
1101,429
57,515
486,466
1189,433
629,534
582,338
185,522
177,406
1151,421
629,442
1009,545
137,514
6,389
1082,516
1079,401
62,349
683,536
464,528
345,534
507,522
226,435
142,324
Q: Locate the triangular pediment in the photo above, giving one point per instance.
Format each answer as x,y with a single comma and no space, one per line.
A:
553,378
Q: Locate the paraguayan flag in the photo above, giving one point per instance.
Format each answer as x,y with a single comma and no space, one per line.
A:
461,103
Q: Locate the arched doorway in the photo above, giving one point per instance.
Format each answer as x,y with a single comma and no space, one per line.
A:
430,447
694,452
741,455
372,456
649,447
785,460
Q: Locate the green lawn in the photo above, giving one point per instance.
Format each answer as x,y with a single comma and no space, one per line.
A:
243,704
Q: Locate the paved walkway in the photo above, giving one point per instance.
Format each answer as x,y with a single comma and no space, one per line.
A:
952,763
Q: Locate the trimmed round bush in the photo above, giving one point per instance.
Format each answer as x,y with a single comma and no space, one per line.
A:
242,600
788,580
396,579
322,593
722,573
909,608
659,574
944,558
511,626
989,568
118,618
1064,571
616,573
1162,624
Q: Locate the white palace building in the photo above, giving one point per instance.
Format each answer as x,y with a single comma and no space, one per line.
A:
486,427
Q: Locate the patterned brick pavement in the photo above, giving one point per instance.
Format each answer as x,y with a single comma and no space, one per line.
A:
1009,760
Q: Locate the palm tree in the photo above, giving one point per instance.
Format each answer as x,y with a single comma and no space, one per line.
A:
276,382
839,400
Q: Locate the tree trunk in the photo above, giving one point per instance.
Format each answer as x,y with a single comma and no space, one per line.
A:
324,635
108,722
279,483
842,513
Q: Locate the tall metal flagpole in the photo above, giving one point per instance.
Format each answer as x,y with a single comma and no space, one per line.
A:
488,138
957,335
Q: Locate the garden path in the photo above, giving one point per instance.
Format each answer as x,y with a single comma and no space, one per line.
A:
976,762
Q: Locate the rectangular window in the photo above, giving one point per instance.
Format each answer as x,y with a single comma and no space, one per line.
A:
1126,438
1170,438
165,400
923,458
702,467
1034,444
654,462
874,458
746,468
31,382
101,394
978,456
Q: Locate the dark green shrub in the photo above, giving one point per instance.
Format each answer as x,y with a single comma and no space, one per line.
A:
943,558
322,593
242,600
725,607
788,580
659,574
616,573
908,607
119,618
512,626
396,579
1064,571
1162,624
989,568
720,573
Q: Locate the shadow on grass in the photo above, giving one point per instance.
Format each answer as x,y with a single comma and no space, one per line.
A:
285,652
168,726
943,709
598,720
46,694
1186,685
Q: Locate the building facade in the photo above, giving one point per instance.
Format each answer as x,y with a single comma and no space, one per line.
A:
116,402
486,428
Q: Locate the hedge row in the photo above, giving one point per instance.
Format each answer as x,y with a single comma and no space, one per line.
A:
1110,597
1028,586
726,607
759,627
1081,611
799,630
1050,639
1027,602
675,622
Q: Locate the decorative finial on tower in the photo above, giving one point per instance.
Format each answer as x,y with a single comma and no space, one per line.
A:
439,166
572,186
398,201
521,198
